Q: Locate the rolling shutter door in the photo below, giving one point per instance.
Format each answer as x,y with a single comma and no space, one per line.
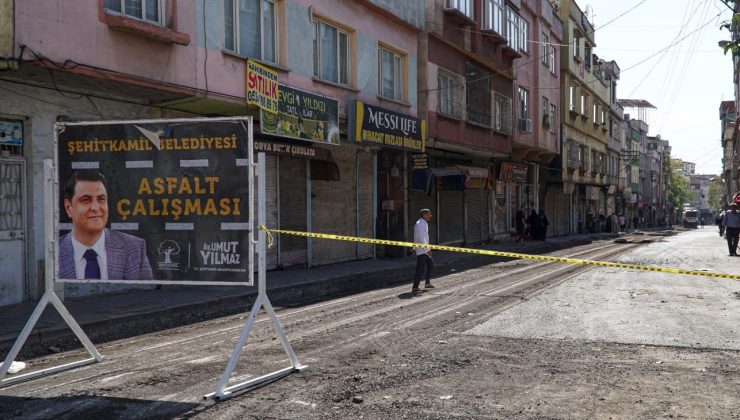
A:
419,200
293,249
271,206
476,205
451,217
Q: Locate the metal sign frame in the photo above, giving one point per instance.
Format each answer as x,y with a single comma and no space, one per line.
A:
222,390
51,277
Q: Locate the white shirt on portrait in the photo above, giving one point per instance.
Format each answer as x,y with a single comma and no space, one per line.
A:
81,262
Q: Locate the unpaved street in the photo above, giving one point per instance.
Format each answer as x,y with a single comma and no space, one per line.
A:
511,340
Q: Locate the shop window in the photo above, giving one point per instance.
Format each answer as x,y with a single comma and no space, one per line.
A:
391,83
146,10
331,53
250,28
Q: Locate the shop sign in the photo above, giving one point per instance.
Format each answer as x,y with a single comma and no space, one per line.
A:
285,149
382,127
420,160
304,116
262,87
514,172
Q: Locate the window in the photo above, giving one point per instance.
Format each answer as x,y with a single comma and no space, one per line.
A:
546,49
495,16
596,112
552,118
546,121
576,47
501,113
572,99
478,94
250,28
330,53
391,80
464,6
512,31
583,105
450,93
146,10
523,34
523,102
552,59
587,56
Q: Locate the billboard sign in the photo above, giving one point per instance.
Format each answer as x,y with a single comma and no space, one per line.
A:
163,200
303,116
383,127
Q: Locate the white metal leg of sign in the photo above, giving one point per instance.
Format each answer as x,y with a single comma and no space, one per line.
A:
222,391
48,297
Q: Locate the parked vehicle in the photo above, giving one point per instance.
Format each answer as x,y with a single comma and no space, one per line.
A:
691,218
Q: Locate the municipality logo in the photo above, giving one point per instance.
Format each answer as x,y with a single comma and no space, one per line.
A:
168,251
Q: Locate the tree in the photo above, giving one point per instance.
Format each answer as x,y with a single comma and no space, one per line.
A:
716,190
731,25
679,191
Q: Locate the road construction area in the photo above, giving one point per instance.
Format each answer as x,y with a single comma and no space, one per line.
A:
515,339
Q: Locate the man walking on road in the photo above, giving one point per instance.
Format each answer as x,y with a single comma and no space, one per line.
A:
424,262
731,222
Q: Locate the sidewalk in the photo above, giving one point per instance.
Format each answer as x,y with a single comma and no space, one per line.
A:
113,316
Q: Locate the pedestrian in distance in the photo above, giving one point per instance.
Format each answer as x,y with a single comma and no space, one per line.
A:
519,220
544,223
622,223
534,226
718,221
701,222
424,262
731,222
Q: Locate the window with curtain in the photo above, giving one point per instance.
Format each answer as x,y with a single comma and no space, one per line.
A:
250,28
146,10
391,80
330,53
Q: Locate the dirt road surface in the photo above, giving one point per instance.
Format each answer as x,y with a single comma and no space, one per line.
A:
511,340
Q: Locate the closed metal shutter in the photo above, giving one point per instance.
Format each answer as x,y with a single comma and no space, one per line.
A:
451,217
271,206
292,174
476,207
419,200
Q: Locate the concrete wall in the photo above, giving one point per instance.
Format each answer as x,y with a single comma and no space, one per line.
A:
73,31
7,29
368,26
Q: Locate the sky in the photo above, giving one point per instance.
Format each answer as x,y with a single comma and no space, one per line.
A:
686,82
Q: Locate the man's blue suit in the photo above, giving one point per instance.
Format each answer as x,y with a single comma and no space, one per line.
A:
125,254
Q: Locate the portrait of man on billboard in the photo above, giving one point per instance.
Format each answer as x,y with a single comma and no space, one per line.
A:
90,251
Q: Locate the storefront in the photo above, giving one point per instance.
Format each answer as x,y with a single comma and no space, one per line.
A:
397,139
313,182
520,187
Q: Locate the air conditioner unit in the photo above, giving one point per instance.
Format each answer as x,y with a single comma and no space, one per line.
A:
525,125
